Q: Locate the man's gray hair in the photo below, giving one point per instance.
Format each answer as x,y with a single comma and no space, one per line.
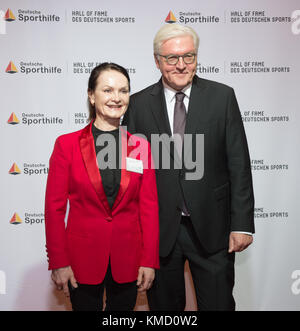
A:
169,31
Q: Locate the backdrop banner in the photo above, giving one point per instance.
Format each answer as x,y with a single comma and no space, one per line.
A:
48,49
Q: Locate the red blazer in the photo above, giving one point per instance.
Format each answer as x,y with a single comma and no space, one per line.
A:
127,234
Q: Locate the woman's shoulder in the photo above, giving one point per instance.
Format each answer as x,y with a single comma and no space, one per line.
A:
71,136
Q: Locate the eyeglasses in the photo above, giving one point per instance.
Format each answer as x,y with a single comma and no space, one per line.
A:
172,59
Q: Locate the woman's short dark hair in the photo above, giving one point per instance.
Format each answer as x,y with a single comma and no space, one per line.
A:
92,84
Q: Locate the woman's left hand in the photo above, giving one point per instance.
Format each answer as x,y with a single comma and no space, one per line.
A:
145,278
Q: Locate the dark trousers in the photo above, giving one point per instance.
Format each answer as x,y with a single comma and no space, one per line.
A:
213,276
119,297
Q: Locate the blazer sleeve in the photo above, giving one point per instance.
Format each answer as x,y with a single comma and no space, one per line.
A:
57,191
149,219
238,162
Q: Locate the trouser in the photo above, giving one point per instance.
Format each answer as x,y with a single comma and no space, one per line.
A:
119,297
213,275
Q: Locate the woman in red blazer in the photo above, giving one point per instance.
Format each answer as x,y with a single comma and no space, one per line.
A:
111,237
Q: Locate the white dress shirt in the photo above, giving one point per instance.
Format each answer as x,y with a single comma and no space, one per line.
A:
171,100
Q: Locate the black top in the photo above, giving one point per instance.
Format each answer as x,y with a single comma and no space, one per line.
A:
108,162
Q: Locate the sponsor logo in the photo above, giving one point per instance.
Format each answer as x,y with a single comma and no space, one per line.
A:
11,68
30,119
14,170
191,17
29,169
16,219
36,16
170,18
9,16
13,119
33,67
30,218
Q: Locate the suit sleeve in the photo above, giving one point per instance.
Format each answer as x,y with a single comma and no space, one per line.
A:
55,208
149,219
238,162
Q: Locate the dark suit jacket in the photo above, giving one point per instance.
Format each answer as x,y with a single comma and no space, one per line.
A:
222,200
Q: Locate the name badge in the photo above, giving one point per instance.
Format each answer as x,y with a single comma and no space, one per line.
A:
134,165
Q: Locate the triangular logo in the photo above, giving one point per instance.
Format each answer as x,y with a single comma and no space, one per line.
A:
170,18
13,119
11,68
14,170
16,219
9,16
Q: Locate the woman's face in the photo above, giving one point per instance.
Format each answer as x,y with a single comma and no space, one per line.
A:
111,95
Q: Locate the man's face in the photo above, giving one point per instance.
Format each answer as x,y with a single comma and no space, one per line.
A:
181,74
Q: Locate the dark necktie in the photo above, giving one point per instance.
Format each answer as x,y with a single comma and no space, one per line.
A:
179,127
179,121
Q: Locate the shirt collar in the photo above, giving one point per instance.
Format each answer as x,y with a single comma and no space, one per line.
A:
170,92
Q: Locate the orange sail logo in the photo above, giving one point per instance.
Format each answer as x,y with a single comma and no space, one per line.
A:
13,119
14,170
9,16
16,219
170,18
11,68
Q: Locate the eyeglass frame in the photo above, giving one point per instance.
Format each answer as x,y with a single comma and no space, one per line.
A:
178,56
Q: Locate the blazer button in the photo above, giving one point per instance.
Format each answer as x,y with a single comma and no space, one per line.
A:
108,218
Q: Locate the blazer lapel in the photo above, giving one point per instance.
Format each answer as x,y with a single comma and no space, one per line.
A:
125,175
87,147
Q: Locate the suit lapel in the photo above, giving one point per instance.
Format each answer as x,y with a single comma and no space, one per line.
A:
87,147
159,109
196,115
160,113
198,107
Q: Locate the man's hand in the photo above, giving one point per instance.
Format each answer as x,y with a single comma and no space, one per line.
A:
61,277
145,278
239,241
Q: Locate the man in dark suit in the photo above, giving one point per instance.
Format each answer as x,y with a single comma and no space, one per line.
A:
207,219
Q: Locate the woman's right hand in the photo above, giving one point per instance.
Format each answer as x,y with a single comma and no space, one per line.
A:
61,277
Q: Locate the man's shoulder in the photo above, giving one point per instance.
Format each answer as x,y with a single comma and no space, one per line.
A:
211,84
146,91
201,82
